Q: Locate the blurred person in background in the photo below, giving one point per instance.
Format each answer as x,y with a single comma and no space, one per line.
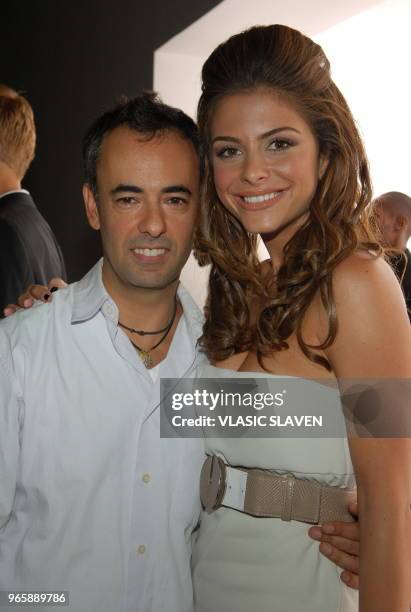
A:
29,252
393,210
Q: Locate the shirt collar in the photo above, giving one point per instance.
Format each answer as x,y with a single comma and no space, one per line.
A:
90,295
3,195
192,313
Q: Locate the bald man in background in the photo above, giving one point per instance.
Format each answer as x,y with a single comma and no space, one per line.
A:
393,210
29,252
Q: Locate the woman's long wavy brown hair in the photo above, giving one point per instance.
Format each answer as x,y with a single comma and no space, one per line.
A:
291,65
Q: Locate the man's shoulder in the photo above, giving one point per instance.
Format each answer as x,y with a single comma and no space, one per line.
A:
30,325
20,214
44,319
6,228
9,237
14,203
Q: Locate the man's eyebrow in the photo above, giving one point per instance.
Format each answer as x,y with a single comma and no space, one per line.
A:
135,189
176,189
261,137
122,188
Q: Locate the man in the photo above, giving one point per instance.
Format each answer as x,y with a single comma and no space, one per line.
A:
393,211
29,252
92,501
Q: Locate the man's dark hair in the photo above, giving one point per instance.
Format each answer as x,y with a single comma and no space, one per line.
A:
145,114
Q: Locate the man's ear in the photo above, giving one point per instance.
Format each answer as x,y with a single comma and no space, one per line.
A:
90,204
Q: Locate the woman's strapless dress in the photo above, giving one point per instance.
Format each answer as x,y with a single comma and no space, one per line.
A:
247,564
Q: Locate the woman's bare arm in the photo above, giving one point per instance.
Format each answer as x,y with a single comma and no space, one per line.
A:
374,344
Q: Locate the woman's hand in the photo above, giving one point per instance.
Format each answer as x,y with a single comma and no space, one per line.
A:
41,293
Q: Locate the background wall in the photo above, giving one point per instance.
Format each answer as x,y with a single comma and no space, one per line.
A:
73,59
369,55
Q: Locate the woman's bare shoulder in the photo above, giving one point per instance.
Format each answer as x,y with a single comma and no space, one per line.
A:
374,334
361,263
367,297
364,276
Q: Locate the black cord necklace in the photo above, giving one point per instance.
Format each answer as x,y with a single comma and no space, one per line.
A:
141,332
143,353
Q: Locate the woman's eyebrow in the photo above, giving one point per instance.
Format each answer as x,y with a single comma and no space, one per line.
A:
265,135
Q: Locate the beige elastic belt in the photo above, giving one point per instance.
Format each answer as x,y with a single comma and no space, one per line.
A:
264,494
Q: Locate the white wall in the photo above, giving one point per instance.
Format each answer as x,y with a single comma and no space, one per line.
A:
369,54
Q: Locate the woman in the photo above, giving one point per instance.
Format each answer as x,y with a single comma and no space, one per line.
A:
284,160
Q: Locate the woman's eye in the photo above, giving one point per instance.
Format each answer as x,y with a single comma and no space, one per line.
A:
279,144
225,152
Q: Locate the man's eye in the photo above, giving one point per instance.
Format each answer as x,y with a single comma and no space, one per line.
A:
176,201
226,152
279,144
126,200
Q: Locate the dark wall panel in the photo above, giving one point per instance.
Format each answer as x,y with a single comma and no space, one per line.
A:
73,60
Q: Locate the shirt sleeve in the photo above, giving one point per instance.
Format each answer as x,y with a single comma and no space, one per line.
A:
9,433
13,265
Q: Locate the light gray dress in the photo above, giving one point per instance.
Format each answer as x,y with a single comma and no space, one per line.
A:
247,564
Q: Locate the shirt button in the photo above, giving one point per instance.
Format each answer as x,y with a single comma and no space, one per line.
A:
146,478
141,549
108,310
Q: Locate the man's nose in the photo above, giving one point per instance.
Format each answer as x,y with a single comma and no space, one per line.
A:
152,220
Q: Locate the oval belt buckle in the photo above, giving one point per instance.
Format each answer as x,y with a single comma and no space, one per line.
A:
212,483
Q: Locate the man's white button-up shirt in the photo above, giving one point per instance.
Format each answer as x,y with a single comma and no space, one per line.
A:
92,501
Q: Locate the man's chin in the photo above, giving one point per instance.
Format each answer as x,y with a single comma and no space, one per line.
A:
155,283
